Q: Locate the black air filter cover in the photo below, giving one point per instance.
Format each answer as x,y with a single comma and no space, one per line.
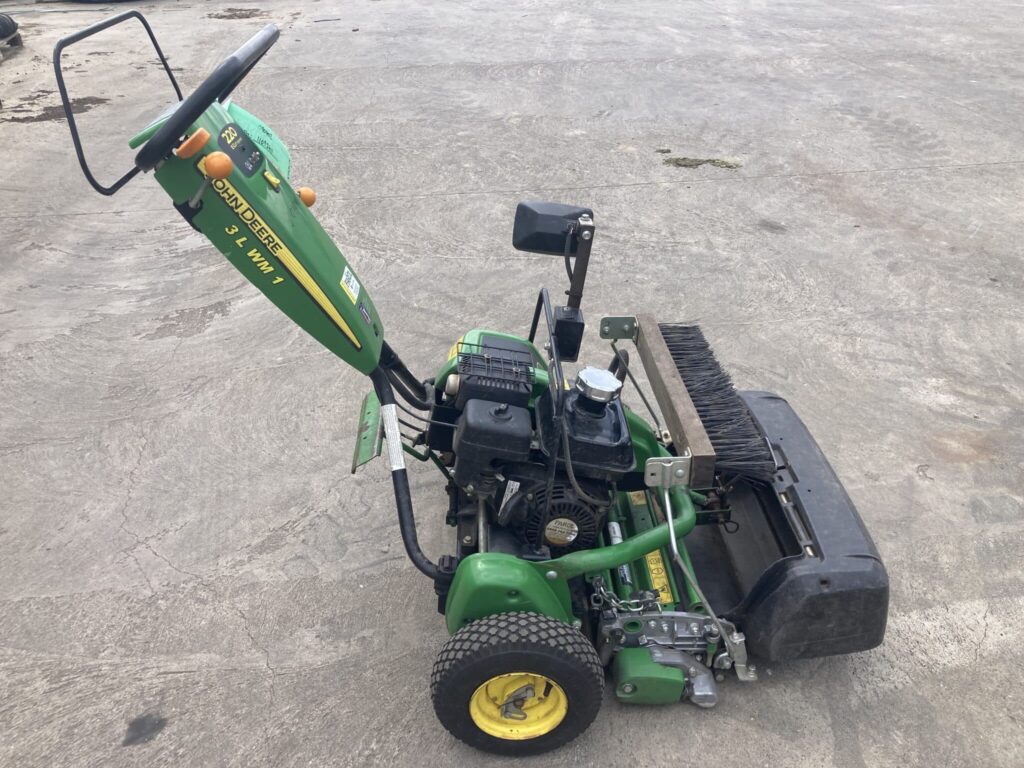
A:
499,370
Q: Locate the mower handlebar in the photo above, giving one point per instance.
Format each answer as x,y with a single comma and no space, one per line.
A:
216,87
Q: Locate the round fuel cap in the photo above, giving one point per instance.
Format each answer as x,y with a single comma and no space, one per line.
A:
598,384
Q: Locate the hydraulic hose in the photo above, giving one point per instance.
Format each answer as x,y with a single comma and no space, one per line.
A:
399,475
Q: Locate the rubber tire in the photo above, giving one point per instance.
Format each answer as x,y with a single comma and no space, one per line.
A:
516,642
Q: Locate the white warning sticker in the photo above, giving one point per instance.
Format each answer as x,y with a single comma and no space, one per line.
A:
350,284
510,490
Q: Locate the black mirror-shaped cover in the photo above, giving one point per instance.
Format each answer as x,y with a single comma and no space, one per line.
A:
543,227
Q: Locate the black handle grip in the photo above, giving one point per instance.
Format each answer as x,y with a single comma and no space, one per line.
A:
217,87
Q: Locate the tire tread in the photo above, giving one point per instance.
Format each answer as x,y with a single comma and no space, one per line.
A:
509,633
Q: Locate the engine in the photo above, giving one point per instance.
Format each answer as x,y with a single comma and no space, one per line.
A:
533,465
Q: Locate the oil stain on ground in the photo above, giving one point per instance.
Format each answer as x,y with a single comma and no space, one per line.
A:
236,13
53,112
696,162
142,729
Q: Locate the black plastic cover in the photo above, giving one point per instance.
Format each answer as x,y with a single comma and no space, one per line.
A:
545,227
833,596
569,327
487,433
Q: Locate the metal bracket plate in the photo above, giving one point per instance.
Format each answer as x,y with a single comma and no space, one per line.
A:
667,471
616,328
736,644
369,440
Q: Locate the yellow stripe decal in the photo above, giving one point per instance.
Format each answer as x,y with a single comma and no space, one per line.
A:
292,265
269,239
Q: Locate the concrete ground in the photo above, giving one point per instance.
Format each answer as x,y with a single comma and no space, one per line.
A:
189,575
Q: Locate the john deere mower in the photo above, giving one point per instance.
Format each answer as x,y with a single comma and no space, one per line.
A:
660,549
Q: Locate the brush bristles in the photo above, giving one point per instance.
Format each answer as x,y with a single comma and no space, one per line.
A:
740,448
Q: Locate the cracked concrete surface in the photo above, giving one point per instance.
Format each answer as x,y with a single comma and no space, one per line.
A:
188,574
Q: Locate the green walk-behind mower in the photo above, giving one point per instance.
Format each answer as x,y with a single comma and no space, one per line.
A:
588,543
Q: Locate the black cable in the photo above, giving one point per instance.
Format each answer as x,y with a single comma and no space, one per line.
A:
568,249
636,384
405,423
412,413
592,500
424,419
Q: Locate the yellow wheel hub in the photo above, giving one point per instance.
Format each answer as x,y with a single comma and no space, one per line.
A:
518,706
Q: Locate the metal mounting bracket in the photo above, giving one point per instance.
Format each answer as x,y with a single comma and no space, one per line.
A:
667,471
616,328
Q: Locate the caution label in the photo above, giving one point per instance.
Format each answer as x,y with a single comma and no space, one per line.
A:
350,285
659,576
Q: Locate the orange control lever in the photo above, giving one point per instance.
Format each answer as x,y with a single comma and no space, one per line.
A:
190,146
218,165
307,195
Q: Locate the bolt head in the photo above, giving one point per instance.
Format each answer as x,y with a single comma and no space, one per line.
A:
551,575
586,235
467,539
628,688
680,473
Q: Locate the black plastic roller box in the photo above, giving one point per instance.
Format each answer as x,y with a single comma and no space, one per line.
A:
798,572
